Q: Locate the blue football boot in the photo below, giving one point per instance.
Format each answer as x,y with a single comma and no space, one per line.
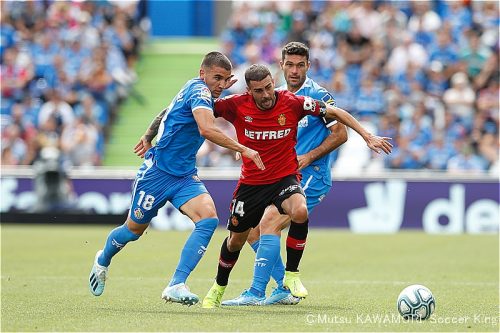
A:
281,296
246,298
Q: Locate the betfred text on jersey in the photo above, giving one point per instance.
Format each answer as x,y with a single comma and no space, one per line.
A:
267,135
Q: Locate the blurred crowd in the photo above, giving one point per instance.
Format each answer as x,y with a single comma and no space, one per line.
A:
65,68
422,72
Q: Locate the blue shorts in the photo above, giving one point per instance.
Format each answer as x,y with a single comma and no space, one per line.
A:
314,187
154,187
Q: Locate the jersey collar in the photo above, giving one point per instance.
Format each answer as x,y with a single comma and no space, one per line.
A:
306,84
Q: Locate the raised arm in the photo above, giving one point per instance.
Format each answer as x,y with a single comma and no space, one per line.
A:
374,142
337,137
206,125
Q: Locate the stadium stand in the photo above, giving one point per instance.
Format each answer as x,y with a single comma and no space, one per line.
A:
423,72
65,68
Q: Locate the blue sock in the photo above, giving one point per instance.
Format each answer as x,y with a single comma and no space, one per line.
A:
267,255
278,273
194,249
117,239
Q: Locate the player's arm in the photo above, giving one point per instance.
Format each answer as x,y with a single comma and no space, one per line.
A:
206,125
146,140
374,142
337,137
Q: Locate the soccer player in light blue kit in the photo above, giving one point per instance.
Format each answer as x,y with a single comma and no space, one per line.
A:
169,174
316,139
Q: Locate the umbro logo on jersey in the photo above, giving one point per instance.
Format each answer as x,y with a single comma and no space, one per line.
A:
248,119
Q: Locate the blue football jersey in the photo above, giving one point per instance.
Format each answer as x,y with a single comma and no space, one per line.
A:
179,139
313,130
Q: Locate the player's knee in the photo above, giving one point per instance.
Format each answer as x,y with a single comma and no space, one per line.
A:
270,228
208,225
136,228
235,244
253,236
299,214
208,212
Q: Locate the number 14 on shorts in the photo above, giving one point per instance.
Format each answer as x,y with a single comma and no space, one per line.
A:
237,208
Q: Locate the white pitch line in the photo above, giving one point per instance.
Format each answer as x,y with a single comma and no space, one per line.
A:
359,282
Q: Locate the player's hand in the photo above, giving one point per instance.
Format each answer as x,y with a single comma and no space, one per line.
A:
237,156
230,82
304,161
379,143
254,156
142,147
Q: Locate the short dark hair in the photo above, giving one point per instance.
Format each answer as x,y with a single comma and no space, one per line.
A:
217,59
256,72
295,48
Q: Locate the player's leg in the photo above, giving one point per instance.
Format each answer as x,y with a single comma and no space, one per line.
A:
264,260
147,197
283,221
269,247
247,208
270,241
117,239
192,199
278,222
296,208
229,254
315,190
201,210
282,192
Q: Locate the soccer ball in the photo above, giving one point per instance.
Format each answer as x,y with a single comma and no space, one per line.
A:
416,302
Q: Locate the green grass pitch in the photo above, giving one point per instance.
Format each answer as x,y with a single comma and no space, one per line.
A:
353,281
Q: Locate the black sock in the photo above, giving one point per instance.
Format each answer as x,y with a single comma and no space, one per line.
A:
227,260
295,244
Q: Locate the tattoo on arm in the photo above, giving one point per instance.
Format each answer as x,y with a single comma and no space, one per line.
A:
153,127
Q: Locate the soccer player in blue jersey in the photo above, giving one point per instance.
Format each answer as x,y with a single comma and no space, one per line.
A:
169,174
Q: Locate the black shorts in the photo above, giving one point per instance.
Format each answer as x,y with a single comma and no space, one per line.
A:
250,201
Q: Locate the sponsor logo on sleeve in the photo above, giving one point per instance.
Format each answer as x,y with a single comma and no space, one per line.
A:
205,94
328,99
